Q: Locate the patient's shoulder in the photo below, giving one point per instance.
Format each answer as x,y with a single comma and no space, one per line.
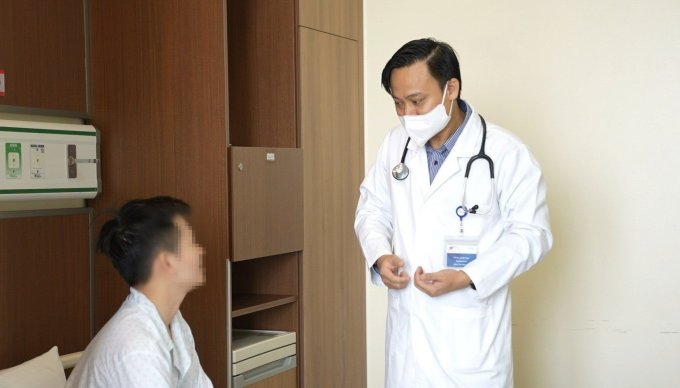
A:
133,328
135,337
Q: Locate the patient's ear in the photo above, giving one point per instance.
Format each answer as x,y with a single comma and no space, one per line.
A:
165,262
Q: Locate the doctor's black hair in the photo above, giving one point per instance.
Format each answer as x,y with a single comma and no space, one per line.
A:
141,229
440,58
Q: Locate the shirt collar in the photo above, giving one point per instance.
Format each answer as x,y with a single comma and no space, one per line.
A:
147,305
181,359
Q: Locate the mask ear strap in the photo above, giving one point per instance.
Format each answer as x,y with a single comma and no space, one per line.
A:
446,86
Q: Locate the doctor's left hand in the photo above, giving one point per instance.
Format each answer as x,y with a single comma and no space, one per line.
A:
441,282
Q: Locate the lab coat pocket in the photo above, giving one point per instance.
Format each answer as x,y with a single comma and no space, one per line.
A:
464,342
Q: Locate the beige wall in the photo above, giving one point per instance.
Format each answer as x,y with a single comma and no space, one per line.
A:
594,89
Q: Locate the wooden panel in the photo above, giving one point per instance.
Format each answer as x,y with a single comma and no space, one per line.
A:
243,304
44,285
286,379
333,291
337,17
262,73
159,100
284,318
264,283
266,201
269,275
42,51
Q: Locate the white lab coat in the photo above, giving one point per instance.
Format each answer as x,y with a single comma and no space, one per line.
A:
463,338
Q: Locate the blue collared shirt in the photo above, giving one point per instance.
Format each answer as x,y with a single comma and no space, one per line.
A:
435,158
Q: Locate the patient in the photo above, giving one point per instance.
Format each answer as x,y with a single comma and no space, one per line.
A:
147,343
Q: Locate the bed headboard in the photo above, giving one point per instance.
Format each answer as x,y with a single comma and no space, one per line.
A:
69,361
45,283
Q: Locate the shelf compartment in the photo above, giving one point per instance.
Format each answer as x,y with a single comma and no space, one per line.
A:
243,304
262,73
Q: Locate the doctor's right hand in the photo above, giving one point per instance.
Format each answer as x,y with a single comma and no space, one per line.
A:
391,271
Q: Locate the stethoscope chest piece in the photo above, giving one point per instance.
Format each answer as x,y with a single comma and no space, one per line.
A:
400,171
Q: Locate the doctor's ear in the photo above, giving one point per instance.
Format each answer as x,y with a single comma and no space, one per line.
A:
453,89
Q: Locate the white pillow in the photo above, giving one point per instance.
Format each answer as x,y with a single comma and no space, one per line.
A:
44,371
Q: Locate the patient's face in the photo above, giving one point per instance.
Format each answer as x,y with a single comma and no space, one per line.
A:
190,271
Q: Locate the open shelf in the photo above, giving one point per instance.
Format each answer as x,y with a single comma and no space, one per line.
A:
262,73
243,304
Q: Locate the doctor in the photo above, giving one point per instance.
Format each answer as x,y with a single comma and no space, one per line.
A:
448,247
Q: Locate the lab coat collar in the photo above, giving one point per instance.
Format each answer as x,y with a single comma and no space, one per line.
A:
467,143
413,147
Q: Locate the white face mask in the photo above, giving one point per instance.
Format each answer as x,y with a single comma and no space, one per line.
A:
422,128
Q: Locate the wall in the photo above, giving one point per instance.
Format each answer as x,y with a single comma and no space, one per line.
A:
164,137
593,89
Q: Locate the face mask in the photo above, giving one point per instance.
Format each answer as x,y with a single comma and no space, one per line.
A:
422,128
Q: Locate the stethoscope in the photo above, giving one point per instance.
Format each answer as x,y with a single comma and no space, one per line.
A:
401,172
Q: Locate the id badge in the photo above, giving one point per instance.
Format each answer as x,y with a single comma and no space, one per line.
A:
460,251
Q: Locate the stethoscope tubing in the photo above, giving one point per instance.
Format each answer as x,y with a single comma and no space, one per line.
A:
480,155
403,154
401,172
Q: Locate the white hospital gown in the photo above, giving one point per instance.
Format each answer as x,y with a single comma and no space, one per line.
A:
134,349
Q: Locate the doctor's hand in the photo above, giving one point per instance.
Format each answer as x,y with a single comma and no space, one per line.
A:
439,283
391,271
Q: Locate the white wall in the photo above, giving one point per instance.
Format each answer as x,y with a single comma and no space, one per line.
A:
594,88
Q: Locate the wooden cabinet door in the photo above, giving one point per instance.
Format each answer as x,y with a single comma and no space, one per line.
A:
266,201
333,283
43,57
337,17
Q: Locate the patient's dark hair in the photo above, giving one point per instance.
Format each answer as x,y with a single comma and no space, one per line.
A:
141,228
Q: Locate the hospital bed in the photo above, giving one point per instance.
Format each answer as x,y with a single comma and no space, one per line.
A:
69,361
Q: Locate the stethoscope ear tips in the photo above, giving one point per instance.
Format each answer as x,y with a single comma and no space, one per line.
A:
473,210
